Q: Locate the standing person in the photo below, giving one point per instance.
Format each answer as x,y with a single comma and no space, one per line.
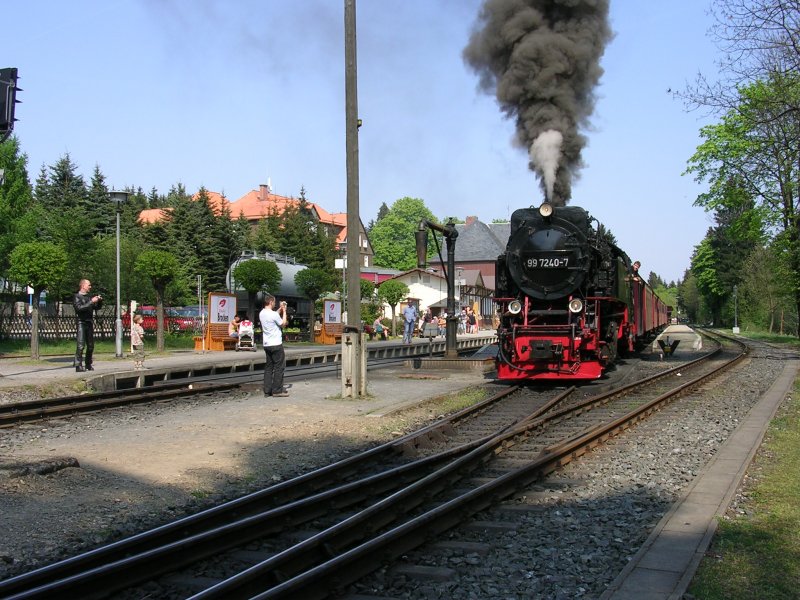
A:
137,342
85,306
272,324
409,320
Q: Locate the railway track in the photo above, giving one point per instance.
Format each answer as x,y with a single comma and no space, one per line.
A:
367,508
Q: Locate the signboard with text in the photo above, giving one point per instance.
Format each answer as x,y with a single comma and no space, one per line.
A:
332,312
221,307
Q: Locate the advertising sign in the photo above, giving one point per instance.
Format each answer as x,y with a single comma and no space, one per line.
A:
332,312
221,308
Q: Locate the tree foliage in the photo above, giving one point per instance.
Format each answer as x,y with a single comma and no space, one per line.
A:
393,238
392,292
39,265
257,275
751,161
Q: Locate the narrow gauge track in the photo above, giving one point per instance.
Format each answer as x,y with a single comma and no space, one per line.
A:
36,410
17,413
405,505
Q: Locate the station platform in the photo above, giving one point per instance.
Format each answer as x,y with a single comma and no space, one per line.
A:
116,373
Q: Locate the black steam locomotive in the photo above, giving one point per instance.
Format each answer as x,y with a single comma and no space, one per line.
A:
567,301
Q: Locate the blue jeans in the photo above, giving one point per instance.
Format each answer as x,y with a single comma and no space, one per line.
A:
408,331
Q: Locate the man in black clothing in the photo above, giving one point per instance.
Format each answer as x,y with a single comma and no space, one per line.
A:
84,314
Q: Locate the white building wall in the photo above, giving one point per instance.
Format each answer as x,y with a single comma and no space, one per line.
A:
429,288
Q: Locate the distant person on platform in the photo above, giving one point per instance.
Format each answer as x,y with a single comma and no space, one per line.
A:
377,327
409,320
137,342
233,327
272,324
85,305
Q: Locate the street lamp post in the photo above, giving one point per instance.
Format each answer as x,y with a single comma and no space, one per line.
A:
118,198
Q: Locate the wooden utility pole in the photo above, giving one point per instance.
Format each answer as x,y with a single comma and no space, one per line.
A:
354,377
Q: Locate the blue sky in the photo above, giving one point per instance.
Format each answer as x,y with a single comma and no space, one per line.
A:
226,94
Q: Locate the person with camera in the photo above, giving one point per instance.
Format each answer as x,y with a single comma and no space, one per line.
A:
272,324
85,306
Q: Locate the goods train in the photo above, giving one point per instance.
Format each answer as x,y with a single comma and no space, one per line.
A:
567,300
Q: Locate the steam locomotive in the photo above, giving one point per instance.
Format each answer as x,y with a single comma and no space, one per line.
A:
567,302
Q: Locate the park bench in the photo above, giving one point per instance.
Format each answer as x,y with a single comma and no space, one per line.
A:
216,338
329,333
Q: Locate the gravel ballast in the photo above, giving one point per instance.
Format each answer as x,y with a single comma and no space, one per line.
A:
151,464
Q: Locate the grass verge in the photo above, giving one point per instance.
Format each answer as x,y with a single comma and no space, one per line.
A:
756,552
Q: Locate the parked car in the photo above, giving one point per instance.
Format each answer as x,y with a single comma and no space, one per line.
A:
173,321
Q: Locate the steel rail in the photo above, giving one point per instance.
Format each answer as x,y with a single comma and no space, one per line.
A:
72,568
324,574
251,505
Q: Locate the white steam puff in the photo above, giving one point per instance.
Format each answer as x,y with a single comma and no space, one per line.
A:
545,153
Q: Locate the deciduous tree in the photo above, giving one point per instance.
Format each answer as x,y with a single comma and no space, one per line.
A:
313,283
393,238
162,268
392,292
254,276
38,265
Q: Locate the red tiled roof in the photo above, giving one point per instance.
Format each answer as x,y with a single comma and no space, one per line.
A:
255,205
259,203
153,215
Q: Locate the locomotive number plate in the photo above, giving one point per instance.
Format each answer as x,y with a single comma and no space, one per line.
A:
547,262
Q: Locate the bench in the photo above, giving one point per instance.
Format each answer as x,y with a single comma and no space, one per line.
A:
216,338
330,333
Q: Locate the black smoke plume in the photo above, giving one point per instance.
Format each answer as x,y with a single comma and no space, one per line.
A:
542,60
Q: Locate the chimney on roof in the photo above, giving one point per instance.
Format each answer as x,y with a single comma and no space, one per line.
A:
470,221
263,191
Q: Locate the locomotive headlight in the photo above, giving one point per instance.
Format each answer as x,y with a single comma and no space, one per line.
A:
514,307
546,209
575,305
